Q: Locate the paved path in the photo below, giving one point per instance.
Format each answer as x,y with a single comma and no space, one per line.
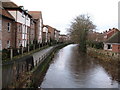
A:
38,55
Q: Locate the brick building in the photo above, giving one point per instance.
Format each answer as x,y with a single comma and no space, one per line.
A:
109,33
113,43
63,38
32,31
22,26
45,34
37,16
51,30
7,30
57,33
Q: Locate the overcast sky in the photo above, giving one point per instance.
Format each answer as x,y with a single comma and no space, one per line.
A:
59,13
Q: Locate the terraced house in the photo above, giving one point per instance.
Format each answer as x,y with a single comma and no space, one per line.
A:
57,33
45,34
32,31
7,29
22,25
37,16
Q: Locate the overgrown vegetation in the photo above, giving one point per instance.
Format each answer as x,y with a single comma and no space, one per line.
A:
79,29
95,44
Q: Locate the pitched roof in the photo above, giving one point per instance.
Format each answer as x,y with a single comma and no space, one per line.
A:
6,14
35,14
9,5
13,6
114,39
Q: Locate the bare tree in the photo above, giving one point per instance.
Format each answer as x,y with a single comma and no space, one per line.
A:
79,29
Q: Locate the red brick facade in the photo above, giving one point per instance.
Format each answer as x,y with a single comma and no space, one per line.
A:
18,34
32,31
52,32
37,16
8,36
115,48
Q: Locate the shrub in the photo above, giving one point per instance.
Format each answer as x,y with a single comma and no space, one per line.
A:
95,44
31,47
15,52
5,54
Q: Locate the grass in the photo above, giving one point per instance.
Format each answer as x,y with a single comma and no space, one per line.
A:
26,54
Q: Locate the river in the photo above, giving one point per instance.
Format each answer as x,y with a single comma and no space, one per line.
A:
72,69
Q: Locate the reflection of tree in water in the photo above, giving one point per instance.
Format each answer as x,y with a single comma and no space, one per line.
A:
83,64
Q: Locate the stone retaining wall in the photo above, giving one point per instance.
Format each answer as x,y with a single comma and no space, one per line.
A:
16,72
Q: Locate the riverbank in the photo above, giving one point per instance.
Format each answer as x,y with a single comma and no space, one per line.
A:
20,71
38,73
103,55
70,68
109,60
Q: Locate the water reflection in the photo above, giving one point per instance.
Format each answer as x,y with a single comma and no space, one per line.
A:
72,69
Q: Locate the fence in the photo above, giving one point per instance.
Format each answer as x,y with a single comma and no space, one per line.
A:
8,54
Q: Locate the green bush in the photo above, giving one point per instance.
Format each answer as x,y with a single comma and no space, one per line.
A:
5,54
95,44
15,52
31,47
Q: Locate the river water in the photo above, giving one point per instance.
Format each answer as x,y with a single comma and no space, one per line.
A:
72,69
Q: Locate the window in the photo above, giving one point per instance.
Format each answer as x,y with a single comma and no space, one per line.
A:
9,26
8,44
20,28
119,47
23,29
109,46
19,43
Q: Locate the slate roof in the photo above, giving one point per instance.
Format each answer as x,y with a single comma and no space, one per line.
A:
114,39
